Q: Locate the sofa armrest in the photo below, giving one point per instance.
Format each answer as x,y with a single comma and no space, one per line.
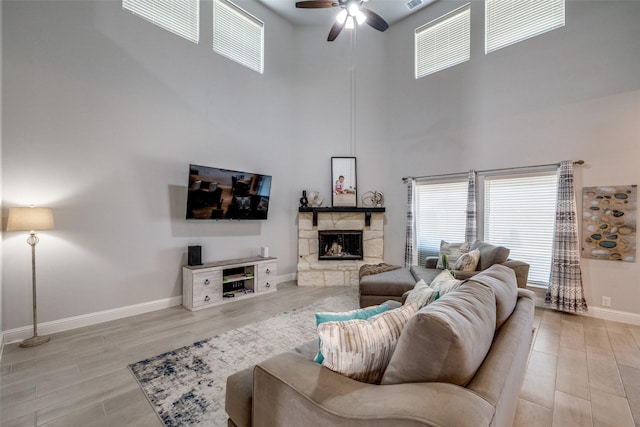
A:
291,390
431,262
521,269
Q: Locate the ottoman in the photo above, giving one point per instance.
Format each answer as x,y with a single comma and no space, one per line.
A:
377,288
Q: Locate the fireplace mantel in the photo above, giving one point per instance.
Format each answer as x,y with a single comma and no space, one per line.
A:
342,209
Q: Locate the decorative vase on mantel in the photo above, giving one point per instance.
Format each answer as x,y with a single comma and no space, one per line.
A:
304,202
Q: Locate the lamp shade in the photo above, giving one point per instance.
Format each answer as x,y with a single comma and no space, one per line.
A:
31,218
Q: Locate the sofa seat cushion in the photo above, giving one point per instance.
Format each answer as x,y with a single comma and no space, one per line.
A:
361,349
446,341
505,287
424,273
389,283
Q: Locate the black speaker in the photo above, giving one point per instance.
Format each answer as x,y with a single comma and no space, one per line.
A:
195,255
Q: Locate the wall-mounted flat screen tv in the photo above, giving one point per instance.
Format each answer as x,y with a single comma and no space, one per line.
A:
216,193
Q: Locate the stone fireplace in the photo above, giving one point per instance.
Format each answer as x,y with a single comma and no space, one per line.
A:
328,240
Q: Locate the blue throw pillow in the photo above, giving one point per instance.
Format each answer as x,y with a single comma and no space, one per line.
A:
361,313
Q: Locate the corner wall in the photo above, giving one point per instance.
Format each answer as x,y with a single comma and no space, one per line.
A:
572,93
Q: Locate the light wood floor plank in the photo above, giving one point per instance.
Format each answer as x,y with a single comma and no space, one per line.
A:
572,411
603,371
540,380
610,410
573,374
529,414
548,338
631,381
572,334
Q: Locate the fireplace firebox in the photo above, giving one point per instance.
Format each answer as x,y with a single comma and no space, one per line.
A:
340,245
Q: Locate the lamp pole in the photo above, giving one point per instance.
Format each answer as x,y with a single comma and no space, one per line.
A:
32,240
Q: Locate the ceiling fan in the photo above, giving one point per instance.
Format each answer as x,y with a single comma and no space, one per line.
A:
352,12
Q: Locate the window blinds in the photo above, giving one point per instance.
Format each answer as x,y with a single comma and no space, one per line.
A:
441,214
511,21
181,17
519,213
238,35
443,43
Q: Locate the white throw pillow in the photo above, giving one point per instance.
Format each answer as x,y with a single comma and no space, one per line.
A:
445,282
468,261
361,349
422,294
453,252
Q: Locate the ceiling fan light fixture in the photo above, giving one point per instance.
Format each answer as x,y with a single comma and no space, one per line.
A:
360,17
342,15
353,8
349,25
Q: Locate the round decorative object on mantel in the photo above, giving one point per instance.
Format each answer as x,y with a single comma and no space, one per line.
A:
373,199
315,199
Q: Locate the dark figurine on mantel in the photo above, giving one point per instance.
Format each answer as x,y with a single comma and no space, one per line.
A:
304,202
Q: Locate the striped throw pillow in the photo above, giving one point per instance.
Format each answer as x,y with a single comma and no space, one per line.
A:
361,349
421,293
360,313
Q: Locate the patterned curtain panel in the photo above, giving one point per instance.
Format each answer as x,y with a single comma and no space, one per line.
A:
410,253
565,292
471,230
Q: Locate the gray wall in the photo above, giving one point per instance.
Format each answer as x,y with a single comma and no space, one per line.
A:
102,117
572,93
105,113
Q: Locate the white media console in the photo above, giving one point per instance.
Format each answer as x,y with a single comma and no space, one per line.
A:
215,283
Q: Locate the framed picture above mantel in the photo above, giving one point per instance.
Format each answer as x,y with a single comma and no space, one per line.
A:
343,182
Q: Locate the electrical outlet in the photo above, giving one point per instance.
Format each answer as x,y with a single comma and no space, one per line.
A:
606,301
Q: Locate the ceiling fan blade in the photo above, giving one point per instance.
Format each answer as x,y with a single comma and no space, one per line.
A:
315,4
374,20
335,30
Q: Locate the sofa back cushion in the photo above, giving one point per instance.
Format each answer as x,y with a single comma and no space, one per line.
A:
446,341
502,280
490,254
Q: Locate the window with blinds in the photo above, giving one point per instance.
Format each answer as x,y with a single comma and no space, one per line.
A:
181,17
511,21
238,35
444,42
441,214
519,213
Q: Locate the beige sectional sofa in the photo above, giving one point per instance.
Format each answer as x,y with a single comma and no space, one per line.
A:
459,361
391,285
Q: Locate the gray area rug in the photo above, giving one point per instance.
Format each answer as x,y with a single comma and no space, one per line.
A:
186,386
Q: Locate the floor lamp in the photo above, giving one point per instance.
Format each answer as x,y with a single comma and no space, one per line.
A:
31,219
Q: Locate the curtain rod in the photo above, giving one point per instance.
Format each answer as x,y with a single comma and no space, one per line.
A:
404,179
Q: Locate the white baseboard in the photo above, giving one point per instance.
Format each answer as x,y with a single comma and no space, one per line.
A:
605,314
47,328
287,277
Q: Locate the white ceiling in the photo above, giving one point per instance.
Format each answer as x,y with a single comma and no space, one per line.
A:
390,10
